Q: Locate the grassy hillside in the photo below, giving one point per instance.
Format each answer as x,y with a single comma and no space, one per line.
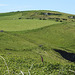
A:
59,35
37,14
20,25
56,35
31,43
10,16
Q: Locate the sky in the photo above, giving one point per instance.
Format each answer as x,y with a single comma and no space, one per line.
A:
66,6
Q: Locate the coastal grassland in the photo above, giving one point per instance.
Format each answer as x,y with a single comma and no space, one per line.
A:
20,25
37,14
29,61
10,16
57,35
22,50
23,42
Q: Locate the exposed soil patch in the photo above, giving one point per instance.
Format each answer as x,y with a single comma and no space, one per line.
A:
66,55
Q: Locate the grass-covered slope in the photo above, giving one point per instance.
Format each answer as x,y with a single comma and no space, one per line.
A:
36,47
24,24
10,16
57,35
23,50
61,35
37,14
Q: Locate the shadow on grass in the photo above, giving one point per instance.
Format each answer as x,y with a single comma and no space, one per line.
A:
66,55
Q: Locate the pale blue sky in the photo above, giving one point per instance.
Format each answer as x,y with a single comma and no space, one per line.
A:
67,6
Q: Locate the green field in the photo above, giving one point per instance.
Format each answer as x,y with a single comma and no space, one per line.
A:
25,42
20,25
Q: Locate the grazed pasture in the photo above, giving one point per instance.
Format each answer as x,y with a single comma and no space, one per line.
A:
24,41
20,25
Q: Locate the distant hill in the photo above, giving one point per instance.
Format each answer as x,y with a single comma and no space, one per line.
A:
38,14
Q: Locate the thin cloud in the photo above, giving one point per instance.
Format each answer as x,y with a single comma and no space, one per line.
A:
3,5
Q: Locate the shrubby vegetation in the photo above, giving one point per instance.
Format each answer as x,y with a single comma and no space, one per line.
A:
18,65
